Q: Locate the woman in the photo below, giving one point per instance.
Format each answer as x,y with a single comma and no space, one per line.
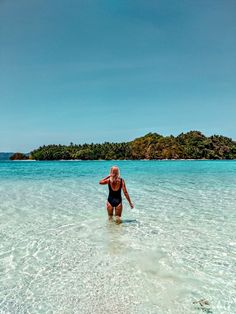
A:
114,200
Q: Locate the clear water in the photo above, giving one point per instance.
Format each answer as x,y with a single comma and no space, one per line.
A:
59,254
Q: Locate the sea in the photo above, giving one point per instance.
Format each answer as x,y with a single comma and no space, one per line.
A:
174,252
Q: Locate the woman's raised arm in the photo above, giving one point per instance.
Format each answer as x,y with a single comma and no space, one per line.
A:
104,180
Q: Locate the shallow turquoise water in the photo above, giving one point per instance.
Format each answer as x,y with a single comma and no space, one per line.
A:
59,254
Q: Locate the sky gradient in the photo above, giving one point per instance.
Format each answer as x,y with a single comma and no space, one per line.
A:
94,71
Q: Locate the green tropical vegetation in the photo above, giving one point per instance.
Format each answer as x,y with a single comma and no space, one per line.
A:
190,145
19,156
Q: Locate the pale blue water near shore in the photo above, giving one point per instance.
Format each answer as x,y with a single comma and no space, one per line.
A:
59,254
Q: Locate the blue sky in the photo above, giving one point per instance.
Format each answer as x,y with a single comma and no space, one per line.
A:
95,71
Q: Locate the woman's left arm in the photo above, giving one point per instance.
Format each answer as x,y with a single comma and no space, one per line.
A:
126,194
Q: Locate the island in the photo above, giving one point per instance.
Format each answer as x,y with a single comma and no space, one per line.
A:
190,145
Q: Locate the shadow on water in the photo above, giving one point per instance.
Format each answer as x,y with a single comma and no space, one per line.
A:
130,221
117,236
114,240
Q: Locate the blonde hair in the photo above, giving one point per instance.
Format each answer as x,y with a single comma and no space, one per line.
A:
116,167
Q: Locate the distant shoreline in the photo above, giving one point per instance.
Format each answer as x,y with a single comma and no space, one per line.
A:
61,160
192,145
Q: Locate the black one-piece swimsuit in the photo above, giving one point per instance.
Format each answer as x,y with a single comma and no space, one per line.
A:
114,197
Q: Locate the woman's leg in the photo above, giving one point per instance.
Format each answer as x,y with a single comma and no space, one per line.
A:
109,211
118,212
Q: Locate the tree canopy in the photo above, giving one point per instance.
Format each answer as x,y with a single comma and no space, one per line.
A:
18,156
190,145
